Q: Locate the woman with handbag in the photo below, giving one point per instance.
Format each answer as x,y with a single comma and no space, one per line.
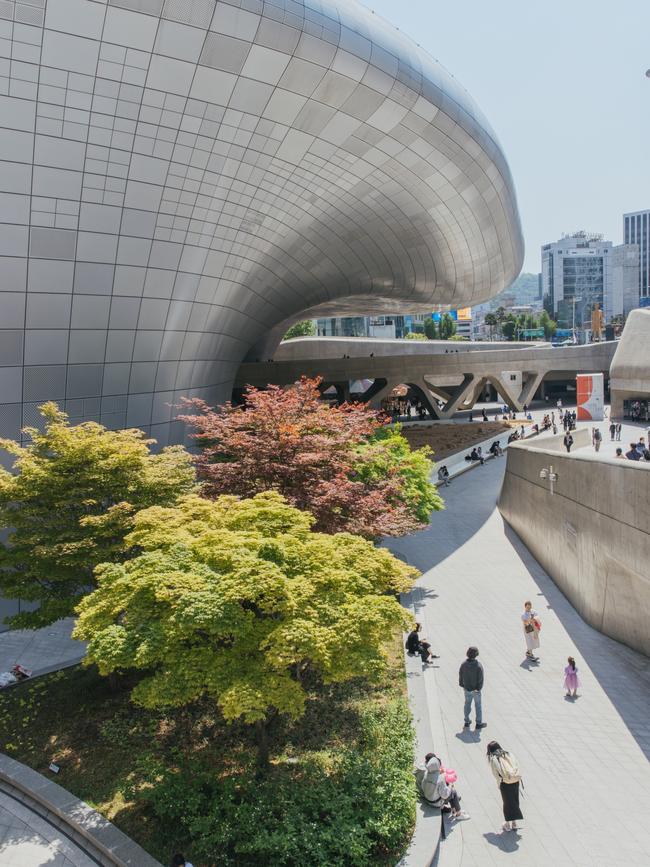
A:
532,626
508,776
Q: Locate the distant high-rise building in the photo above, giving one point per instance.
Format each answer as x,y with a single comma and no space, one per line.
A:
576,274
636,230
625,281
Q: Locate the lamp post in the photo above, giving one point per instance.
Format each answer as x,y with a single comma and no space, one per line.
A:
549,474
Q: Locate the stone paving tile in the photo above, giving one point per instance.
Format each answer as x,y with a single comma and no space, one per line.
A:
587,795
27,840
40,648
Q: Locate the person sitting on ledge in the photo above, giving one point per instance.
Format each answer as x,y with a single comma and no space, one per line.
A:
620,455
633,454
433,787
475,456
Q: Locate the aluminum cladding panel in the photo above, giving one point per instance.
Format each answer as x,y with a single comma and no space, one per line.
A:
180,177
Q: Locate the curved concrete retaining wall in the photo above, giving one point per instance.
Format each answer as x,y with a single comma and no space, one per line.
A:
92,833
592,535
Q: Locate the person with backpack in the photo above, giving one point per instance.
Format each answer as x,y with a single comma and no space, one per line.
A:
508,776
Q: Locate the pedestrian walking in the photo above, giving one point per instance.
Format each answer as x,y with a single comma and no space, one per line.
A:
532,626
619,428
559,403
571,682
470,678
612,431
431,782
597,438
506,772
568,441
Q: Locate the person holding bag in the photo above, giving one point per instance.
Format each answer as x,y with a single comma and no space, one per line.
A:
532,626
508,776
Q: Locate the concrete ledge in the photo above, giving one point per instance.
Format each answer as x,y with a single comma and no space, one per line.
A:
87,828
591,532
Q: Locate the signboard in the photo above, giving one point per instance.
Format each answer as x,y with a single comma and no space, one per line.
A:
590,396
463,314
532,332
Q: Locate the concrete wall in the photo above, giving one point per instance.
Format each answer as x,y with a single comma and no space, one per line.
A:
592,535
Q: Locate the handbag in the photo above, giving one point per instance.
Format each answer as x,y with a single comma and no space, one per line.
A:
537,624
529,627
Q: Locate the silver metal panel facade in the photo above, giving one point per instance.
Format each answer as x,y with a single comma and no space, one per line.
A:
178,178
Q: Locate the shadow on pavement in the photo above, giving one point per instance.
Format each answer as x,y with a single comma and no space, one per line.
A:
614,665
507,841
451,528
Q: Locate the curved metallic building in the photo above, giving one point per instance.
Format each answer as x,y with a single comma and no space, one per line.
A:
181,179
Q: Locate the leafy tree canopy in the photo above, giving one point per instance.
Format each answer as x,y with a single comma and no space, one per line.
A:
447,326
69,503
290,441
430,329
388,453
235,599
306,328
416,335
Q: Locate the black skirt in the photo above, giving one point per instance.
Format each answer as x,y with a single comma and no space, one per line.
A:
510,798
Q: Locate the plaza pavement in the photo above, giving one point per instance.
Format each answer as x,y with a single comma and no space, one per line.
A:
40,650
585,761
27,840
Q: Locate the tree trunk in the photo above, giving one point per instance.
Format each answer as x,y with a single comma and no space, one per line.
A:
262,738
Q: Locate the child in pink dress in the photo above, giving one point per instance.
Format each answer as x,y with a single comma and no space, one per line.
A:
571,682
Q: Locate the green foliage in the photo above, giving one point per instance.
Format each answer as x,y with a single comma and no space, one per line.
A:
458,338
388,453
416,335
430,329
236,600
447,326
306,328
357,809
70,503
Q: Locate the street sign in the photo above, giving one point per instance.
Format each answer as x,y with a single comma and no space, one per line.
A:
532,332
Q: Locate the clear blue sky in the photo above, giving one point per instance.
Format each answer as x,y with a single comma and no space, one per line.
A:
563,85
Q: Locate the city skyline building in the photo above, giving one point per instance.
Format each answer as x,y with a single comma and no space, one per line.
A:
636,230
576,275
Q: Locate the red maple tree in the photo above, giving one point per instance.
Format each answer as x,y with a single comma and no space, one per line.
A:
290,441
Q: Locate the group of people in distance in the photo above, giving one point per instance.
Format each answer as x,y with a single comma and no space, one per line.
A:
637,451
434,781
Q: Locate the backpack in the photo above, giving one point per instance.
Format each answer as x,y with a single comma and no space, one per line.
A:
509,769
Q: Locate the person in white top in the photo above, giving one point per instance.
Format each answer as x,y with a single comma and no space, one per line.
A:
179,861
532,625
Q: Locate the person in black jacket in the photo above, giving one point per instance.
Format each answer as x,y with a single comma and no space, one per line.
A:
470,678
416,644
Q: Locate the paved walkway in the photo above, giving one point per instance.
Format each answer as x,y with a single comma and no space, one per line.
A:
585,767
27,840
40,649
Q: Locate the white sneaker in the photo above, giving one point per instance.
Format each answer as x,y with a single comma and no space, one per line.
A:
460,817
513,826
506,826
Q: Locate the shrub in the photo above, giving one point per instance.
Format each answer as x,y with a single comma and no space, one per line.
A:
357,810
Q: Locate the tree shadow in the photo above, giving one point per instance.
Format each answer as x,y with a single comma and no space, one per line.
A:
451,528
623,673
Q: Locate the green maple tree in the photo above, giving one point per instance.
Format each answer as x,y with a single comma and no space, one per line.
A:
236,600
69,504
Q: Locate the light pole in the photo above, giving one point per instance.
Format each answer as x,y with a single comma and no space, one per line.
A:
550,475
